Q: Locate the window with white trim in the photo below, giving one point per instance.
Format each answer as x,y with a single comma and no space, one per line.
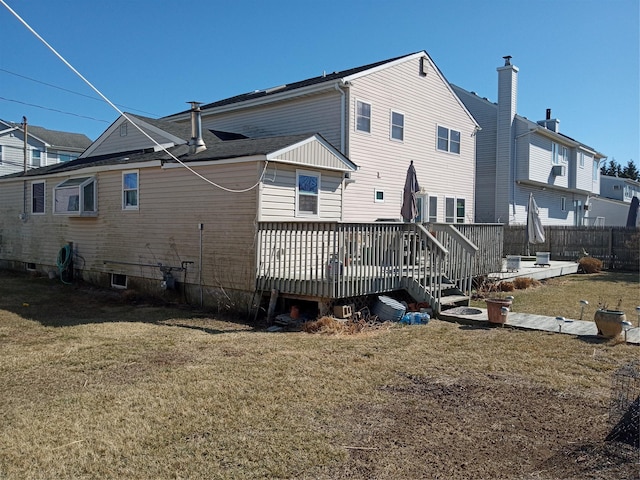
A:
378,195
130,190
596,170
38,190
448,140
433,209
36,157
363,116
307,193
397,126
454,210
560,153
76,196
581,159
66,157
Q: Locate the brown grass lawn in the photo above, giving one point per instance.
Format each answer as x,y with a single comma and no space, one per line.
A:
95,387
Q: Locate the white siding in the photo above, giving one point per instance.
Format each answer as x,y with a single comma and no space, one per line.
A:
134,140
426,102
485,114
318,113
277,197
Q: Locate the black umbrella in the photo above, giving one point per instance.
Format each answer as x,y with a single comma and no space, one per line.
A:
632,216
409,210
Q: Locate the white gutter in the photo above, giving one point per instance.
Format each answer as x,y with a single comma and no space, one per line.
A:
343,114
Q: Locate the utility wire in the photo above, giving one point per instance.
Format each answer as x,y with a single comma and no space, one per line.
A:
53,109
75,93
72,68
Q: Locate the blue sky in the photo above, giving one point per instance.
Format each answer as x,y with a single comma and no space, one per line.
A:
578,57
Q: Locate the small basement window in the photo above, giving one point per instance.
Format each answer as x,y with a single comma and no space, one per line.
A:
31,267
118,280
76,196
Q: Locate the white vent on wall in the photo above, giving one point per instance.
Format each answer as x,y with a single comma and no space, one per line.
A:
559,170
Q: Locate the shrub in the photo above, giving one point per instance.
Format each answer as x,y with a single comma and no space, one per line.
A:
507,287
589,265
522,283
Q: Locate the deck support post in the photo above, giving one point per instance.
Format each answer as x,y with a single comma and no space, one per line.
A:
272,306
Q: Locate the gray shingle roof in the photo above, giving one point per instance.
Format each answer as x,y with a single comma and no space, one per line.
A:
330,77
59,139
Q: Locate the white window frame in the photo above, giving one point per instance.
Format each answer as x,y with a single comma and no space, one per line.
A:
125,190
454,218
32,158
559,153
581,159
318,177
357,115
116,281
74,190
44,198
378,195
70,157
448,139
432,216
596,170
393,126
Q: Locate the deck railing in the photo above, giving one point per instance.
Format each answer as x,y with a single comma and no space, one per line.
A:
459,267
333,260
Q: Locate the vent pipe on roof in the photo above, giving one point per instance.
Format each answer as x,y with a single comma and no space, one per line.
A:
548,114
196,143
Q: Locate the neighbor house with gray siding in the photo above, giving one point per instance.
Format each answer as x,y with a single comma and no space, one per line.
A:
516,157
381,116
43,147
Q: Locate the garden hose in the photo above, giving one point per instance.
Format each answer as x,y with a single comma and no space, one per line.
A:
63,261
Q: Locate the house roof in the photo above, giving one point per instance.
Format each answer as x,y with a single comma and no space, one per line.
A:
217,149
533,126
328,77
55,138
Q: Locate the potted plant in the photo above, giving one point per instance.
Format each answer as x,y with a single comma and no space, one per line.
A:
609,321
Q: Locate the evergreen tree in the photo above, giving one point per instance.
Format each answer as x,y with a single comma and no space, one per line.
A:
631,171
612,169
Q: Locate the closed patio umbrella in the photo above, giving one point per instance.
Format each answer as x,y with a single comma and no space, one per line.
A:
535,231
409,210
632,215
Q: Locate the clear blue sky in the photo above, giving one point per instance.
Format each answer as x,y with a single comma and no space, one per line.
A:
578,57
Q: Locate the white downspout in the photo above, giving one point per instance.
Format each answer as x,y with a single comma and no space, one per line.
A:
343,114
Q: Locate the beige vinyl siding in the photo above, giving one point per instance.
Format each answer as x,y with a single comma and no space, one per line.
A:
313,154
319,113
278,194
134,140
426,102
164,229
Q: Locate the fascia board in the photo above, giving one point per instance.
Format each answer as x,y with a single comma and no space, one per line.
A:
88,170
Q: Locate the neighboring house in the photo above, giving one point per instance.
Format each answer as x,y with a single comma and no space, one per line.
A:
516,157
611,207
44,147
382,116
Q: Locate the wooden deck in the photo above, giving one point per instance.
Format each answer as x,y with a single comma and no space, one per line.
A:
333,260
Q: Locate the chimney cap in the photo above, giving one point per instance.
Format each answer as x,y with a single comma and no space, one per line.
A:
507,60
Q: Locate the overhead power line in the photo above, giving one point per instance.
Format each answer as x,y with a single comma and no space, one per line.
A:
75,93
53,110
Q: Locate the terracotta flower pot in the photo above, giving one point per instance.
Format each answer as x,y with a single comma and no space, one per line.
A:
494,309
609,322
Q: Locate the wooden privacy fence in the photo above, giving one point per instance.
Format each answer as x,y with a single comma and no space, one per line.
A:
617,247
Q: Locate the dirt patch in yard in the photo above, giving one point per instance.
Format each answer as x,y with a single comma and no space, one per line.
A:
489,427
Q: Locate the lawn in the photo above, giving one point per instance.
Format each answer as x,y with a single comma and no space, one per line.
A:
94,386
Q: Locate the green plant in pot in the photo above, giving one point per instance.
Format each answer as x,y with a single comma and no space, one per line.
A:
609,320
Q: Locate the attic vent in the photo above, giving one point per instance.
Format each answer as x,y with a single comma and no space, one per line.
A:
424,66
